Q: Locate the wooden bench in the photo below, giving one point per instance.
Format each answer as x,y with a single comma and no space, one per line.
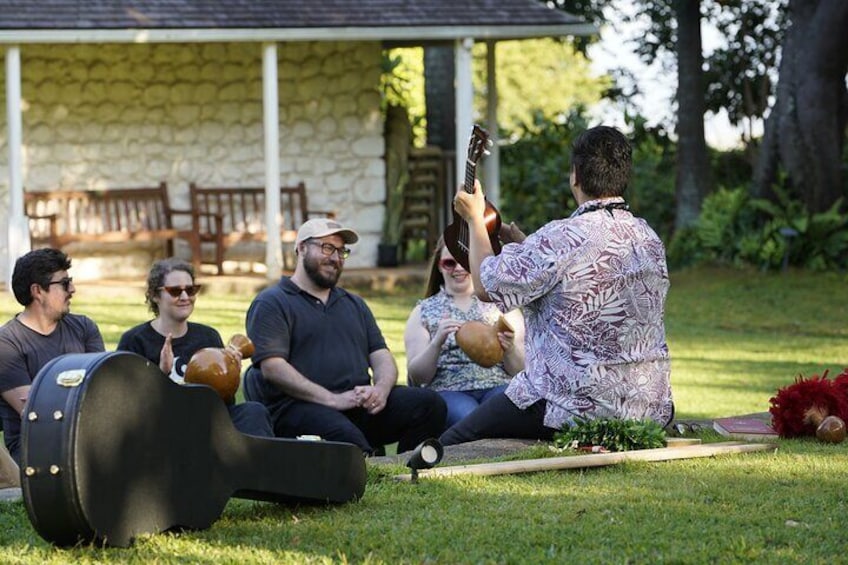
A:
227,216
58,218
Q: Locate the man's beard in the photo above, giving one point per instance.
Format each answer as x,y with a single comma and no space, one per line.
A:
312,266
64,312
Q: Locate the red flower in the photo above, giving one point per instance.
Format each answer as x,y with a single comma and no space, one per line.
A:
798,408
841,383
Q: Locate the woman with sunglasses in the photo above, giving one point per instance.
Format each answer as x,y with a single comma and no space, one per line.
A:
434,359
169,340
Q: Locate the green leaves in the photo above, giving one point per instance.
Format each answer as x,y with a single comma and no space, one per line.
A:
613,434
535,186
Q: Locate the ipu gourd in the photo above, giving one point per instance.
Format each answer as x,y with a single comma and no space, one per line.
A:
220,367
480,341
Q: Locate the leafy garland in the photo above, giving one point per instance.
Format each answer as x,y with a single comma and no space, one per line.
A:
611,434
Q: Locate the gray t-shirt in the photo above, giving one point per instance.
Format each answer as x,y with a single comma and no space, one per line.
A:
24,351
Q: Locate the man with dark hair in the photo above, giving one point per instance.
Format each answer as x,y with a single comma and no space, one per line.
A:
321,364
592,288
43,331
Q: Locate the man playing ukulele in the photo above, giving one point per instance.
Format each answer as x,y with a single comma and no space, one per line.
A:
592,287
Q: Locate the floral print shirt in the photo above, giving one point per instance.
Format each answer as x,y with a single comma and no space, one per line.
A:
454,370
592,288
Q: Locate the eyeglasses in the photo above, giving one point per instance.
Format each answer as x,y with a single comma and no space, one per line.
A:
448,264
328,249
66,283
683,428
177,291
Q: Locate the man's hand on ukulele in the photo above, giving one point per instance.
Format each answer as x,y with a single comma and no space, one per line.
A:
470,206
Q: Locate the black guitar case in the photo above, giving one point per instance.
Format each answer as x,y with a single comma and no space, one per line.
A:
112,448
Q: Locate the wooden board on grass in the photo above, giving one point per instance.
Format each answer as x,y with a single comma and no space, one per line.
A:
594,460
682,441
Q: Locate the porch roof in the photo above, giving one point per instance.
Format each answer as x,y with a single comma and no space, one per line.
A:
108,21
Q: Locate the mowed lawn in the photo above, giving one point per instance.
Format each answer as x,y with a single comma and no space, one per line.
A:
735,336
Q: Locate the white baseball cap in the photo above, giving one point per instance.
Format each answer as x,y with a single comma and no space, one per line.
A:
322,227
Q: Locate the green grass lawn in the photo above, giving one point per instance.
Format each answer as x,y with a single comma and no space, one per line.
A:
735,338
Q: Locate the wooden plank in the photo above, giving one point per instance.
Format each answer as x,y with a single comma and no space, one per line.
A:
11,494
594,460
10,475
682,441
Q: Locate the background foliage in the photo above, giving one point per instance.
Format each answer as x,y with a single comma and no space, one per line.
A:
547,94
534,77
538,77
733,228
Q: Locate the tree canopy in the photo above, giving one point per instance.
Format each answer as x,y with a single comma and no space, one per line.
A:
804,101
546,77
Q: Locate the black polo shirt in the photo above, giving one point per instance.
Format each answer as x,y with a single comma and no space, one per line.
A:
328,343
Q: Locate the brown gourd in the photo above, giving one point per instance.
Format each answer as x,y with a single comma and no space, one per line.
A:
829,428
480,341
220,368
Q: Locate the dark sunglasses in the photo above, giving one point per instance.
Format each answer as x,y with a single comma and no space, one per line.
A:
66,283
448,264
177,291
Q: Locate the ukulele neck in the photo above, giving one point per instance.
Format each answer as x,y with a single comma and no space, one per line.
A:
470,175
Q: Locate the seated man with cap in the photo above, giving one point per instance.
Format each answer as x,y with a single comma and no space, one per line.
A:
321,365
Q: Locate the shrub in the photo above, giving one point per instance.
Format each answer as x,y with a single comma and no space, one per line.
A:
651,192
734,228
535,186
535,173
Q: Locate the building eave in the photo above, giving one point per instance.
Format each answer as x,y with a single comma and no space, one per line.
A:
411,34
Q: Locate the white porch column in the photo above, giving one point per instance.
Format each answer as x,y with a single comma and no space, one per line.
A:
18,231
271,121
491,164
464,104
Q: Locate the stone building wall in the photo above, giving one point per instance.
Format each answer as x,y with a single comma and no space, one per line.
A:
100,116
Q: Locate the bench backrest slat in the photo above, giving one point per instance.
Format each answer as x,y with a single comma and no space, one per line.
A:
243,208
95,212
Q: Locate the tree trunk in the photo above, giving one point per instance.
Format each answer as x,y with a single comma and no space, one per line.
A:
805,131
692,162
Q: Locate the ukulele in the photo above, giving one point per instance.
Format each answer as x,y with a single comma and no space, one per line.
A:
456,234
113,449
